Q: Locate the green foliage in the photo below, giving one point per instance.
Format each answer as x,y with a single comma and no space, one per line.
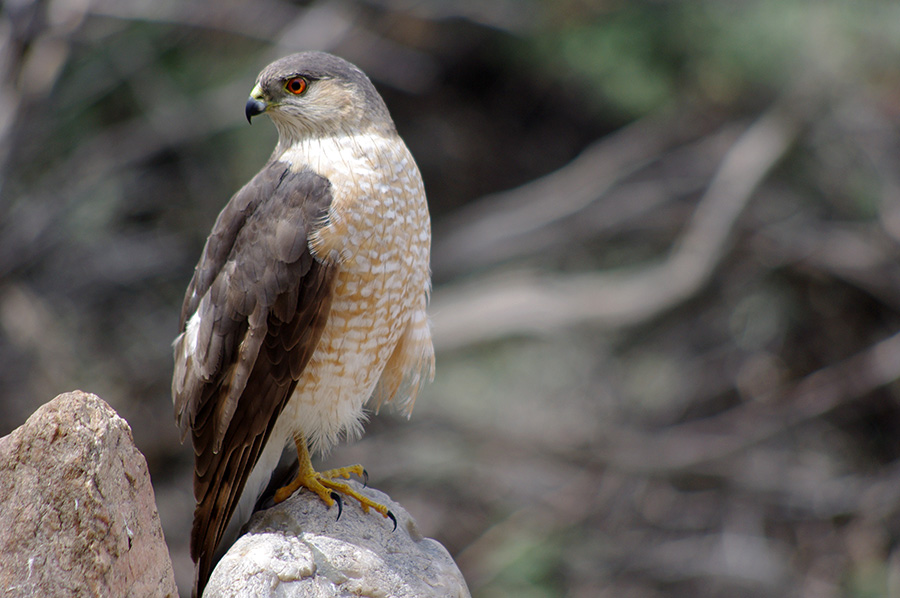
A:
639,56
526,564
868,579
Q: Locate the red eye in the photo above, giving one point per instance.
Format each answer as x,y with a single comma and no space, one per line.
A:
297,85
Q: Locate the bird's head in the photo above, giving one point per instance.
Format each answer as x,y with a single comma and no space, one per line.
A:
314,94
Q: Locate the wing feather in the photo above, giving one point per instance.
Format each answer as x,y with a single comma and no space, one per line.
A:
252,316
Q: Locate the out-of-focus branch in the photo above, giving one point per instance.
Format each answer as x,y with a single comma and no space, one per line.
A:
109,150
9,97
260,20
698,443
339,27
503,305
33,49
329,25
862,254
496,226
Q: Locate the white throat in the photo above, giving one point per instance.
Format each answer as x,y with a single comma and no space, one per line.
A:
340,158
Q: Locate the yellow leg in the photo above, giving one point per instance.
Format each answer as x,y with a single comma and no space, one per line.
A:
322,483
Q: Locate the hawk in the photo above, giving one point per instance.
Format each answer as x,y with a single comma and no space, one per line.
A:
308,302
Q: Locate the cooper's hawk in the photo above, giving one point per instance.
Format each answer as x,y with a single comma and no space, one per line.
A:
308,302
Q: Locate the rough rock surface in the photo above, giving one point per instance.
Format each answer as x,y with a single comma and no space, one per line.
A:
78,516
298,549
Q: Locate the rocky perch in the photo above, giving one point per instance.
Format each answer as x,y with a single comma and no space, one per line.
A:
79,514
300,549
80,519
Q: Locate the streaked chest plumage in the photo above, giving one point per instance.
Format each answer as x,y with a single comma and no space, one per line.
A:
378,232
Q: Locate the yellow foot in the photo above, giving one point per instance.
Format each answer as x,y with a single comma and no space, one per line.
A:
323,484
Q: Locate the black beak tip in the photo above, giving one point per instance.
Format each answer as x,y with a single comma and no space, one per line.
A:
253,108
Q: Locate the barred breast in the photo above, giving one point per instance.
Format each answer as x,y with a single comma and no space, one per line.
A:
377,342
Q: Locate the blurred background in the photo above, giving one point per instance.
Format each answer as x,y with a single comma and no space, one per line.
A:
667,287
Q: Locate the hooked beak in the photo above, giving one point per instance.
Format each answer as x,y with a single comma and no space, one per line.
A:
256,104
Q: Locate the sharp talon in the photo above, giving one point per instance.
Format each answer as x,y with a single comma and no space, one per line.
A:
394,519
365,478
340,504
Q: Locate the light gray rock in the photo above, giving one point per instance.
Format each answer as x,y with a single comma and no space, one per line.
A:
77,512
298,549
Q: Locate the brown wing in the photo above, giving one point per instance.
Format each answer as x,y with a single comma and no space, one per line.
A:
257,305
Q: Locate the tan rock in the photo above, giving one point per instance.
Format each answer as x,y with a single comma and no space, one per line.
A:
79,516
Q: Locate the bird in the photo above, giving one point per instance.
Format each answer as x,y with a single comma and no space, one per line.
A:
307,309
